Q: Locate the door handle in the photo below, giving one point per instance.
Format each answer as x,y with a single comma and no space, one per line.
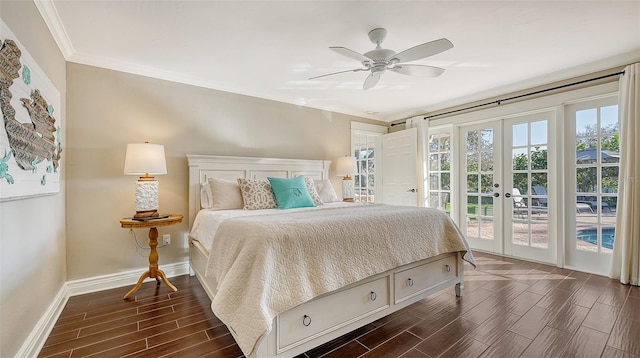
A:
495,195
411,190
507,195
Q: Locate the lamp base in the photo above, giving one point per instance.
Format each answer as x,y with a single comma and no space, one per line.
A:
347,189
146,198
146,214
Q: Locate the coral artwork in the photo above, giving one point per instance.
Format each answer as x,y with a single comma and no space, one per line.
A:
30,137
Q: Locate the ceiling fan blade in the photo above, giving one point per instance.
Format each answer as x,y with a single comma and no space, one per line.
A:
418,70
337,73
371,81
351,54
422,51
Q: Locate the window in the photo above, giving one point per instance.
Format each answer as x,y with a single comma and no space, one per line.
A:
364,151
365,139
597,161
440,171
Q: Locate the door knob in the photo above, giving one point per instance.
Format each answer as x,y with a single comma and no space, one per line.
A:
507,195
411,191
495,195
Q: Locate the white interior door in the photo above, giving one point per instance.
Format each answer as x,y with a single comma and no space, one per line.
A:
399,160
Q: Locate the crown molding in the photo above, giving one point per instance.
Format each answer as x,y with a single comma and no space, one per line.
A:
52,19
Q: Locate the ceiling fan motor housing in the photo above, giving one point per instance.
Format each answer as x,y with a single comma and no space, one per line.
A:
380,55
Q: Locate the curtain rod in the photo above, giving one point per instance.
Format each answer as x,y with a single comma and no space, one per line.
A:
499,101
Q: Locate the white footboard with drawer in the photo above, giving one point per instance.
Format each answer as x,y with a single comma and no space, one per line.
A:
336,313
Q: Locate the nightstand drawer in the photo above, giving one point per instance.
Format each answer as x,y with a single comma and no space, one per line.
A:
416,280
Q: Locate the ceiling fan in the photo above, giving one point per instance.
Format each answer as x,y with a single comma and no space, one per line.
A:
379,60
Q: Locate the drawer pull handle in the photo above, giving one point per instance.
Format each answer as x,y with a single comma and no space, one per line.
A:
409,282
306,321
447,268
373,296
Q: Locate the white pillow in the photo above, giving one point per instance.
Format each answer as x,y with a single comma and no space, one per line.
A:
325,191
205,196
225,194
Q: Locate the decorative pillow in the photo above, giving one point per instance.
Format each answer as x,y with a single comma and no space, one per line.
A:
311,188
325,191
291,193
257,194
205,196
225,194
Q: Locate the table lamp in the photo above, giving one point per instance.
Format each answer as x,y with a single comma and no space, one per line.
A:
145,159
346,167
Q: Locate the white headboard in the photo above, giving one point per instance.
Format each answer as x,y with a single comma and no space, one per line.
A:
203,167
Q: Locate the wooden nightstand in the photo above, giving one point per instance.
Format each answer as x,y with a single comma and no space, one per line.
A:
153,272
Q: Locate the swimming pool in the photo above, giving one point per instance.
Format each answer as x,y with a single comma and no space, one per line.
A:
591,236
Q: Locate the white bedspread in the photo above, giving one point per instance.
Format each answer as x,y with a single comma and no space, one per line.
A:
267,264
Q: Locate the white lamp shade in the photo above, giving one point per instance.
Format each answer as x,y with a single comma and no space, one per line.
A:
145,158
346,166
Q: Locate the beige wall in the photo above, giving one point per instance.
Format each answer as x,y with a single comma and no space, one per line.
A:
32,231
108,109
75,234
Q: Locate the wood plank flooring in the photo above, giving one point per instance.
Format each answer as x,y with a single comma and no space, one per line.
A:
510,308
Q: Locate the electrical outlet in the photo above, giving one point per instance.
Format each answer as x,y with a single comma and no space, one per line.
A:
166,239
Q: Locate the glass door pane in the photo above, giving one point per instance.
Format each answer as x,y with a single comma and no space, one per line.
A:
440,153
363,146
481,210
527,156
594,177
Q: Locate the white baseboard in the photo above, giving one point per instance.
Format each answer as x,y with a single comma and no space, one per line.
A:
39,334
34,342
106,282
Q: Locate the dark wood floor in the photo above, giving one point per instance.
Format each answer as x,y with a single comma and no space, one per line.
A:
510,309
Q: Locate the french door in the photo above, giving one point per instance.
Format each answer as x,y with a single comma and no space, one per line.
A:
593,162
480,182
529,184
506,204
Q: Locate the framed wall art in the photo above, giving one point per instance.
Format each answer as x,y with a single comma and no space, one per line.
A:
31,130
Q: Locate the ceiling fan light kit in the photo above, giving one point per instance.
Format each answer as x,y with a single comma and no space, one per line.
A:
379,60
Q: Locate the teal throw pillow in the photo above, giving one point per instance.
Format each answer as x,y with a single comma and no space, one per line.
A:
291,192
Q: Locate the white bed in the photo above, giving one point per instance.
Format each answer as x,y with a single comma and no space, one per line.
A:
290,314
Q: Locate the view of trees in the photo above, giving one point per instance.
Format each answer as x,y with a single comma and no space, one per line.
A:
538,161
586,149
530,163
479,159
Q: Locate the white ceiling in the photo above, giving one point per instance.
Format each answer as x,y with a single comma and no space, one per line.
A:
269,49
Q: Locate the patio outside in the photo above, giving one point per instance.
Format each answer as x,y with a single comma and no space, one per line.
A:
538,220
